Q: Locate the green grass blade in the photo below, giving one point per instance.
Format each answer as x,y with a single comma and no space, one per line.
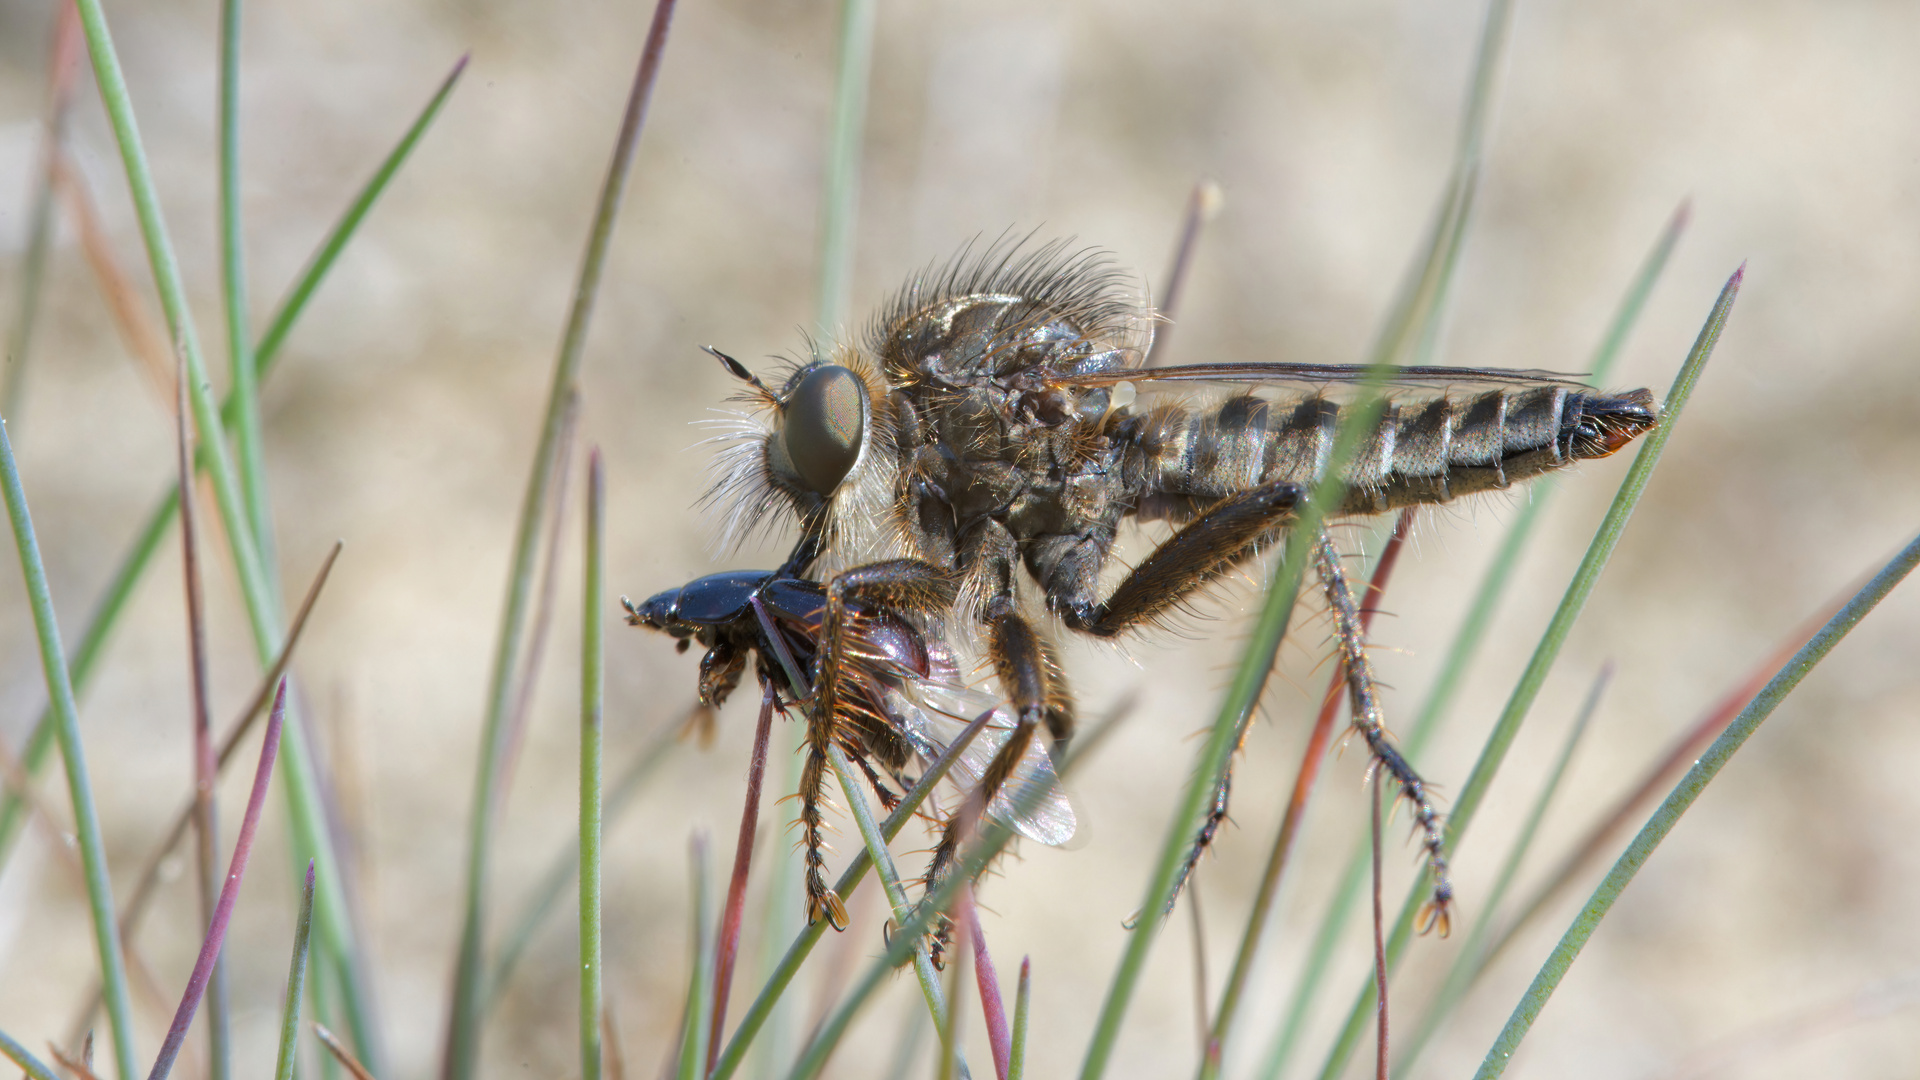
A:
693,1041
1507,728
62,60
1022,1002
782,975
469,982
840,203
561,872
295,302
19,1055
593,685
233,273
1460,656
159,521
93,856
1470,960
296,985
890,881
1682,797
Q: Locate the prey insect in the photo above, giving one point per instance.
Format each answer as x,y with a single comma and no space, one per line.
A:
888,695
976,454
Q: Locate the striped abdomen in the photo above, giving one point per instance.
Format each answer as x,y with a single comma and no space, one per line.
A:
1426,451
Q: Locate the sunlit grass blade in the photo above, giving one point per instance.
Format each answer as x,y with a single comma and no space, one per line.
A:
902,908
1585,577
229,893
296,984
693,1038
469,991
53,661
797,953
1470,959
63,59
1681,798
1684,752
1460,656
593,686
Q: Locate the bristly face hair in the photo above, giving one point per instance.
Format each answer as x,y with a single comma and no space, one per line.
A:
843,486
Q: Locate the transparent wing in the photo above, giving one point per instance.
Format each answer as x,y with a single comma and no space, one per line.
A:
935,714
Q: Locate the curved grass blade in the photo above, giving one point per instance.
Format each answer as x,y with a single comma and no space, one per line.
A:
233,276
840,204
693,1038
229,894
1681,798
1471,959
876,845
1022,1001
461,1057
133,566
53,661
1507,728
1460,655
63,58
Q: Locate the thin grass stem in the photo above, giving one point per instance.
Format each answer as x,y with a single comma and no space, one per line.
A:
296,984
461,1057
63,59
1203,205
1585,577
229,893
206,819
93,856
1681,798
1471,958
840,201
782,975
902,908
21,1056
992,1005
693,1045
593,687
341,1053
736,904
248,444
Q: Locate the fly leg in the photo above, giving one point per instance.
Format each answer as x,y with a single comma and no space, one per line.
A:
1201,552
1365,707
899,585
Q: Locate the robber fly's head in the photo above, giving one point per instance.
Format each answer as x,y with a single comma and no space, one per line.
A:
804,448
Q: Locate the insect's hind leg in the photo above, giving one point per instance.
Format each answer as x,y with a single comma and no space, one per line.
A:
1350,634
897,584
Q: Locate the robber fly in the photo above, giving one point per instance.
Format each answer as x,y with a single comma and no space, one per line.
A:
890,694
995,427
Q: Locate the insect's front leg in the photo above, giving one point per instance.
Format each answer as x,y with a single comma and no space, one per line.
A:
897,584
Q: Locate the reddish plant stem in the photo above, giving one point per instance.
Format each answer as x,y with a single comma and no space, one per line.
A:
991,1004
729,950
229,893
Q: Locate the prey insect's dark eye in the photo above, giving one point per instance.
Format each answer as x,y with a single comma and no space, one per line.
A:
825,421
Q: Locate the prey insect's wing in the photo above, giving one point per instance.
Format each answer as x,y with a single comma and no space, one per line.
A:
934,714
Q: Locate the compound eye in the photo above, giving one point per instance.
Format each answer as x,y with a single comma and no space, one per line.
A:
825,422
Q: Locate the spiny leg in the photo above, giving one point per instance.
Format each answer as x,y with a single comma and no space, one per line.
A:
898,584
1365,707
1206,548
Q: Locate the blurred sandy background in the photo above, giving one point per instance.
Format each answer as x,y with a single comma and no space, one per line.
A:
404,414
